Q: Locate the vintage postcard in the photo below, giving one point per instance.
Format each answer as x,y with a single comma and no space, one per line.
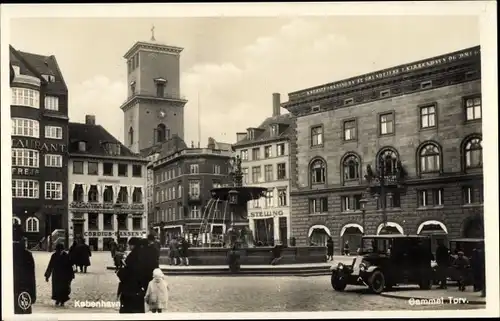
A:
249,160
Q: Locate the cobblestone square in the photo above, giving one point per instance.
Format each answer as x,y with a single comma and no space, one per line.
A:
221,294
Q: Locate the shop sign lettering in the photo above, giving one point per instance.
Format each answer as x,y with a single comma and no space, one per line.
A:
35,144
25,171
267,214
111,234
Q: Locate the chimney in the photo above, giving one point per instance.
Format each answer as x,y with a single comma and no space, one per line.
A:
276,104
90,119
211,143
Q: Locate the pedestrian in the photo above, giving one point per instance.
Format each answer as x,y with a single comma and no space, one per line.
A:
72,255
82,256
153,250
24,273
184,251
113,247
346,248
174,251
277,253
443,263
461,264
157,292
329,249
62,274
131,290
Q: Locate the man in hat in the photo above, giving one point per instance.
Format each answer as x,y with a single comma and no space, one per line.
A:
24,274
461,264
131,289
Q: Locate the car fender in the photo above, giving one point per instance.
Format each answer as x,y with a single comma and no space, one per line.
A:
371,269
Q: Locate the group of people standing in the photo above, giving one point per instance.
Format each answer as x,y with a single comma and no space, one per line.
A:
179,251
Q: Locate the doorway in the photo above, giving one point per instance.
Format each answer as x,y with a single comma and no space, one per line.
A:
77,230
283,230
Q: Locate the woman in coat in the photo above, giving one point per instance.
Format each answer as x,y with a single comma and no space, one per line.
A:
62,274
131,289
82,256
329,249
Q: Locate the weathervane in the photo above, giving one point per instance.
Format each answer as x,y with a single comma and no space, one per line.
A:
153,33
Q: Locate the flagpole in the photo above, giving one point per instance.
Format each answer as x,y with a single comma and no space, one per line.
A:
199,121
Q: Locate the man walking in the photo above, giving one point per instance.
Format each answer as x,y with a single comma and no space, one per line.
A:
443,262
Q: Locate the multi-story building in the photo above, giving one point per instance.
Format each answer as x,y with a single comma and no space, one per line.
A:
154,109
183,179
426,115
106,187
39,112
265,161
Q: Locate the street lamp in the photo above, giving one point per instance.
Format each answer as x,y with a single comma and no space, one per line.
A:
363,202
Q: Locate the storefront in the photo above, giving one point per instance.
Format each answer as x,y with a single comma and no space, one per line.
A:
270,225
100,240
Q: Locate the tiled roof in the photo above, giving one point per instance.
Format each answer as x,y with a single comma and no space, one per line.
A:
94,136
265,130
46,65
223,146
17,59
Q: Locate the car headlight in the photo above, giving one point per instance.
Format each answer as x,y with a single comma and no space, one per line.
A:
340,266
362,267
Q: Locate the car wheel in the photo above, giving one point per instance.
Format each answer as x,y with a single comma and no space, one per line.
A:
338,284
377,282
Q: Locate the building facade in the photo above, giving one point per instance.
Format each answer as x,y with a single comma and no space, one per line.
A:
265,162
154,109
39,113
183,178
421,122
106,187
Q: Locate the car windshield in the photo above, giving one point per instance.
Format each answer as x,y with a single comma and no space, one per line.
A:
375,245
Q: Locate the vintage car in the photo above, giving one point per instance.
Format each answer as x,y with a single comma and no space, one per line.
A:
466,245
385,261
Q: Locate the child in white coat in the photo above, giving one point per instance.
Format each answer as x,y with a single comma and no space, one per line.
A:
157,292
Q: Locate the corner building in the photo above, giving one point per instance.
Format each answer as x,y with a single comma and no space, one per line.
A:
425,114
106,187
265,162
39,114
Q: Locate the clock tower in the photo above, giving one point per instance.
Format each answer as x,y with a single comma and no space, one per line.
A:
154,109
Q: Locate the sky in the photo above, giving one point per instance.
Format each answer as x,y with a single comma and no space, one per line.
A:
233,64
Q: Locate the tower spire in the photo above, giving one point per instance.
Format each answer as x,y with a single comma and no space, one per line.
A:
153,33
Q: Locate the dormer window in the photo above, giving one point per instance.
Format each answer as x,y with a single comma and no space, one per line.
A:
274,130
113,149
49,78
160,83
82,146
250,134
17,70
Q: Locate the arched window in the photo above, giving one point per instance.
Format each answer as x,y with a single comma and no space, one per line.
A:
161,131
318,172
388,160
123,195
78,193
93,194
131,136
351,167
473,153
16,220
137,195
32,225
429,158
108,194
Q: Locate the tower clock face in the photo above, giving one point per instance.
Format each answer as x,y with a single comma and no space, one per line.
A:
162,114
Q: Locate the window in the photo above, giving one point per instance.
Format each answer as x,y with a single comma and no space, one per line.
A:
77,167
132,87
131,136
473,153
429,159
280,149
16,220
123,195
256,203
426,84
194,169
216,184
255,153
281,171
385,93
318,172
351,203
195,211
268,173
78,193
122,169
49,78
428,116
108,221
53,190
108,194
82,146
244,171
282,197
318,205
386,123
113,149
423,198
317,136
350,130
274,130
216,169
315,108
179,190
351,168
93,194
269,199
53,132
160,89
256,174
17,72
107,169
437,195
25,188
389,160
473,108
468,193
244,154
92,168
393,200
53,160
25,97
93,221
122,222
32,225
194,188
348,101
52,103
25,127
25,157
268,151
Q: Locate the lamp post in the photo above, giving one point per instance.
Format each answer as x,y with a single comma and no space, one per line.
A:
363,202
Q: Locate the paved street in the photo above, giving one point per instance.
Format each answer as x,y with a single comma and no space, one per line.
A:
222,294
